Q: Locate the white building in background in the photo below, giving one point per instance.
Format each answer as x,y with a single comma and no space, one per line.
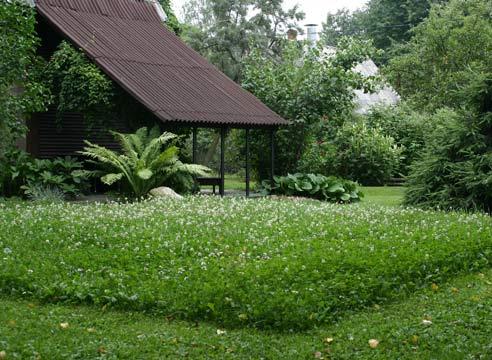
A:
385,95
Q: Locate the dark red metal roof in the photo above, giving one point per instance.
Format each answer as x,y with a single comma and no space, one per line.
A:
127,40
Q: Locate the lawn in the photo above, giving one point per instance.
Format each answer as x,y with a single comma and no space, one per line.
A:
276,275
384,195
460,313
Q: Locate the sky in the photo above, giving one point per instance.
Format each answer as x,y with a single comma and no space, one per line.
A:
316,10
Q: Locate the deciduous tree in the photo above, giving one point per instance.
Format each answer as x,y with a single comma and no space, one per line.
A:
223,30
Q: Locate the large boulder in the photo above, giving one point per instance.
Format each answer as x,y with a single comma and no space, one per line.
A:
163,192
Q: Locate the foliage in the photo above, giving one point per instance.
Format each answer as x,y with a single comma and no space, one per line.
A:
407,127
387,23
319,157
342,23
309,88
223,30
144,164
365,154
14,169
448,64
448,61
63,175
172,21
266,263
43,193
23,175
460,311
455,171
315,186
21,88
79,85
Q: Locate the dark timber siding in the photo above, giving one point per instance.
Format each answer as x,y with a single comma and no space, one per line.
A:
49,138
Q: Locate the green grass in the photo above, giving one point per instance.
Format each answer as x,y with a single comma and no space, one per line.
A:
461,315
233,182
263,263
383,195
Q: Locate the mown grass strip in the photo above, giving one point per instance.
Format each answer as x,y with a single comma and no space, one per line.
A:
460,315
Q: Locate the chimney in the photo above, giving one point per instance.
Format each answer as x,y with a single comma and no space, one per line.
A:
312,33
292,34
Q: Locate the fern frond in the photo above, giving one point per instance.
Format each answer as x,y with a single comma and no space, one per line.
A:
153,148
154,133
166,158
110,179
127,144
193,169
145,174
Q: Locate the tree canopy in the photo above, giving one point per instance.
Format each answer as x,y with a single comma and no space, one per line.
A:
21,90
447,70
310,88
387,23
172,21
223,30
447,62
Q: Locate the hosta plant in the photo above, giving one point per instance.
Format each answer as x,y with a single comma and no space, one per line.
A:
148,159
326,188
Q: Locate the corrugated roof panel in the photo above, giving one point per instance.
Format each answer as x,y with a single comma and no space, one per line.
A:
127,40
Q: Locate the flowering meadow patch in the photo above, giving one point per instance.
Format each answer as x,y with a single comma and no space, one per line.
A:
265,263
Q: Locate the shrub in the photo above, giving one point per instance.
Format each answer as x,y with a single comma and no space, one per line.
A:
144,164
315,186
407,127
14,168
303,87
365,154
320,157
455,171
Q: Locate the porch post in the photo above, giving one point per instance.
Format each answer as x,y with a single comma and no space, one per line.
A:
247,163
194,145
222,159
272,155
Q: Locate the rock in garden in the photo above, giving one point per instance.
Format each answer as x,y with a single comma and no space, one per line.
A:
162,192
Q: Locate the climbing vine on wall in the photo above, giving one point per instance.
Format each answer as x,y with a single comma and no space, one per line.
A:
22,90
79,85
70,80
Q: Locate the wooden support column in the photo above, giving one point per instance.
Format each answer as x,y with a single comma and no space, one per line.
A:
194,145
272,155
247,164
222,160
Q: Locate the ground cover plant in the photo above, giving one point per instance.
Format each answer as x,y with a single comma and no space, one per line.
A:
446,321
263,263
